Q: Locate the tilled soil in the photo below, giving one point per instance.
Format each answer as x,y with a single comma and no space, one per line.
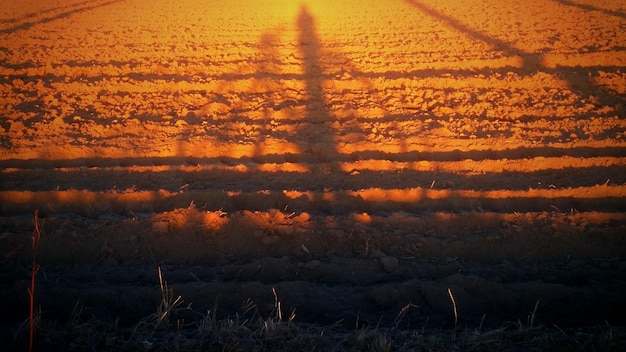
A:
361,162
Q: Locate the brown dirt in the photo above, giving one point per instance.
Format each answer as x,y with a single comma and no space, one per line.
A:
354,157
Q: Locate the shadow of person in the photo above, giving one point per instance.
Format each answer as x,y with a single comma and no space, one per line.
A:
309,47
269,43
315,130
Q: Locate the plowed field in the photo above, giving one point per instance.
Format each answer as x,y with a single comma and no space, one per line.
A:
356,160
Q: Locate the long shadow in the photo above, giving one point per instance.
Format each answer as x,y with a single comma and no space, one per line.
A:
592,8
50,18
317,115
42,12
577,78
316,126
269,43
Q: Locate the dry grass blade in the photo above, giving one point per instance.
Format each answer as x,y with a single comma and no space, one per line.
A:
279,313
456,316
34,269
168,302
403,312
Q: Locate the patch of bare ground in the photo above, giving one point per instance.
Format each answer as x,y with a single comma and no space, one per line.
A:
327,175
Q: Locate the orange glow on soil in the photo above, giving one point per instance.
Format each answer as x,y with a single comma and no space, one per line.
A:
322,88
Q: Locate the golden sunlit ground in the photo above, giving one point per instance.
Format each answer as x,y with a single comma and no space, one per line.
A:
385,150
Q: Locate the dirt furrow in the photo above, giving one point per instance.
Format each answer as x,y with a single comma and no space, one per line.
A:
89,203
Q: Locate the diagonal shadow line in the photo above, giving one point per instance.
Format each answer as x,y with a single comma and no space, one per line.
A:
532,62
42,12
64,14
592,8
